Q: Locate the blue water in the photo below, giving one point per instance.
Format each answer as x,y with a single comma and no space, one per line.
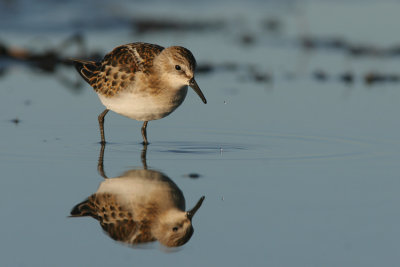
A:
296,171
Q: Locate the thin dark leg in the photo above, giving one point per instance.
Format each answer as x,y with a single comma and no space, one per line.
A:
144,133
100,163
101,124
143,156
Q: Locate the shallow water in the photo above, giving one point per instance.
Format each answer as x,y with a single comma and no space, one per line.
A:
296,171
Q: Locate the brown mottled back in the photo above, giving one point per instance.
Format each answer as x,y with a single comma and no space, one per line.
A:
117,219
117,70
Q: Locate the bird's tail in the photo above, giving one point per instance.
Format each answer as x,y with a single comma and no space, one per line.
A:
85,208
87,69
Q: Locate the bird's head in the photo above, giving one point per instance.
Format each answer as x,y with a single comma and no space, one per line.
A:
178,65
175,227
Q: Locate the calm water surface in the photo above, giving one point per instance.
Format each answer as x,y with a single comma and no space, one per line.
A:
297,171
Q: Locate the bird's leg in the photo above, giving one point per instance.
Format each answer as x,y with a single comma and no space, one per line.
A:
144,133
100,163
101,124
143,157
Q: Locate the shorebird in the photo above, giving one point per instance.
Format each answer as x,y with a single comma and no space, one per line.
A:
140,206
141,81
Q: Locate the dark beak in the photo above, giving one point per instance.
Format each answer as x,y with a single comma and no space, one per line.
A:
196,88
193,211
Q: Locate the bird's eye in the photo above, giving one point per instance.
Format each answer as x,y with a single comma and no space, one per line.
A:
177,67
175,229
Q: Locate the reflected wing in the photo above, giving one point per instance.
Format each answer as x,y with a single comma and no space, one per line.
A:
114,218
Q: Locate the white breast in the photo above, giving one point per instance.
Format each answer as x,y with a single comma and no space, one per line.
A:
145,107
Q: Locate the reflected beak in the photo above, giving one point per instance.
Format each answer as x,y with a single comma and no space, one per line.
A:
196,88
193,211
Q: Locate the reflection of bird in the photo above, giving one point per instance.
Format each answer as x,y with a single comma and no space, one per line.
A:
141,81
140,206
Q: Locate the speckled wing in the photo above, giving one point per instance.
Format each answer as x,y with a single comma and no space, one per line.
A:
118,68
115,218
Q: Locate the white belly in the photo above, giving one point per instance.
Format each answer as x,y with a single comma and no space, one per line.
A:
145,107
